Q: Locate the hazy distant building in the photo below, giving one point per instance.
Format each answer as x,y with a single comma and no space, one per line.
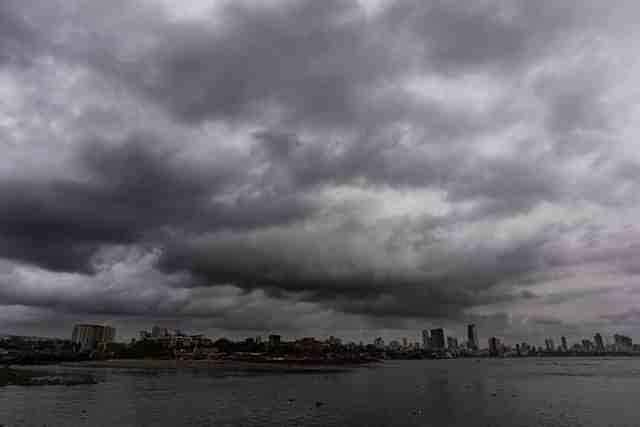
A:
599,343
158,332
90,337
472,337
452,343
549,345
437,339
426,340
274,340
495,347
622,343
378,343
563,341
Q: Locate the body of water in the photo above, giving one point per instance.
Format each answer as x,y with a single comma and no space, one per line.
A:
465,392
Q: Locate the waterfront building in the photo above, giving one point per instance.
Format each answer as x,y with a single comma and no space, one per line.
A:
438,339
622,343
452,343
472,337
274,340
158,332
549,345
426,340
563,340
495,347
378,343
88,337
333,342
599,343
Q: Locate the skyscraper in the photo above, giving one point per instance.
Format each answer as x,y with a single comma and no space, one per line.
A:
472,336
599,342
437,339
549,345
495,348
426,340
563,339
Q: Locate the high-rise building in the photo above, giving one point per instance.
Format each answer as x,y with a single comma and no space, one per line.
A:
622,343
565,348
598,342
437,339
91,337
495,347
549,345
472,336
426,340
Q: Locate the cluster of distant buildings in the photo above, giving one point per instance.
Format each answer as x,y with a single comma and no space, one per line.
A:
92,337
174,338
96,340
436,343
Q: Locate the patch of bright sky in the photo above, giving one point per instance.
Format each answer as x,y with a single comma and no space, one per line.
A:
474,93
389,203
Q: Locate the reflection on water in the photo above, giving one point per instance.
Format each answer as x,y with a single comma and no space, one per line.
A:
528,392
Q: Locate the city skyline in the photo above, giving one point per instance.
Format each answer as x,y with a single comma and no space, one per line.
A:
432,340
348,167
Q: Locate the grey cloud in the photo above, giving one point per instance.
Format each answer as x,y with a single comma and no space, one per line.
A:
502,36
310,60
329,268
131,189
316,96
18,38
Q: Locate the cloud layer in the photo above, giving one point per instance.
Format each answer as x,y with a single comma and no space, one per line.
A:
339,167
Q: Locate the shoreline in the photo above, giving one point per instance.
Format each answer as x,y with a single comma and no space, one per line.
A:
31,378
223,365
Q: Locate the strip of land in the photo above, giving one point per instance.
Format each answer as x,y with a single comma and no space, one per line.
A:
223,365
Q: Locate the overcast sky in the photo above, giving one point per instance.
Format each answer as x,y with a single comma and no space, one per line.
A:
346,167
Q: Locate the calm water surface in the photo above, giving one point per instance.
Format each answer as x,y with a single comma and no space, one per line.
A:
525,392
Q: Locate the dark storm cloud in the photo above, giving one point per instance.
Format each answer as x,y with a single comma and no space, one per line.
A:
18,38
323,268
310,59
417,161
320,63
457,36
134,188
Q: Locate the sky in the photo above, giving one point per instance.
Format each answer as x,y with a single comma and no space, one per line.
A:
355,168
